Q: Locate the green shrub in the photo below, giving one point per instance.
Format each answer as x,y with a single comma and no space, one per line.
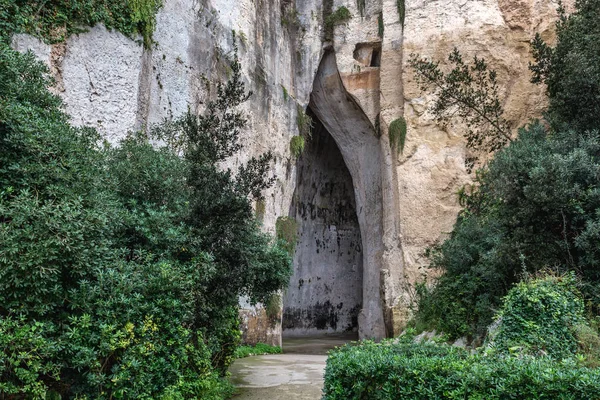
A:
571,69
132,334
428,371
27,357
540,317
259,349
535,205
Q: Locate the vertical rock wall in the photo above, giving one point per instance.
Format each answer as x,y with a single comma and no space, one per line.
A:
404,202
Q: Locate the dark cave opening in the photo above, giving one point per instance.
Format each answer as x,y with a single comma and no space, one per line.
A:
325,291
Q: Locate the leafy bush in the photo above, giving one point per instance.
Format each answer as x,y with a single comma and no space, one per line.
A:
259,349
429,371
27,357
540,317
535,206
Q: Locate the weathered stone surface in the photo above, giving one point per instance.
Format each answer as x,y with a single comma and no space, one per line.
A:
258,327
431,168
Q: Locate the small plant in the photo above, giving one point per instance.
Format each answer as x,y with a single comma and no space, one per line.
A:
297,145
286,230
286,95
259,349
397,132
338,17
380,26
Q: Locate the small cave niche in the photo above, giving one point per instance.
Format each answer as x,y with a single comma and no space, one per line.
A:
376,58
368,54
325,292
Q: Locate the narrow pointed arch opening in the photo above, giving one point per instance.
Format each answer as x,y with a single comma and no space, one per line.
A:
325,292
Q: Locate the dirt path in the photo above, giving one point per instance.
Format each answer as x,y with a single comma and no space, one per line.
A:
295,375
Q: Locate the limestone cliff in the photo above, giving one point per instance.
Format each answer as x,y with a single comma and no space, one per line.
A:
365,214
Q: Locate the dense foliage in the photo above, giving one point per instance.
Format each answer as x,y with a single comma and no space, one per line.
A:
54,20
121,268
571,70
536,205
539,317
409,370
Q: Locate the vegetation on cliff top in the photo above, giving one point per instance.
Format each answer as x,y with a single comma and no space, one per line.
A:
54,20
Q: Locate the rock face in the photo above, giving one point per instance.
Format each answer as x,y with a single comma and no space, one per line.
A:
379,210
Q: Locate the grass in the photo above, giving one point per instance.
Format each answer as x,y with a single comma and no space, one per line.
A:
259,349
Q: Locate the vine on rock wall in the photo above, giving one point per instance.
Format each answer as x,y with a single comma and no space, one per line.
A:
401,5
397,132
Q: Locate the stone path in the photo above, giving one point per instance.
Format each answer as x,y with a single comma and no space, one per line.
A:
295,375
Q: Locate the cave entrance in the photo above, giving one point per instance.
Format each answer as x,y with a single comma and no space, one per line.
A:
325,292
